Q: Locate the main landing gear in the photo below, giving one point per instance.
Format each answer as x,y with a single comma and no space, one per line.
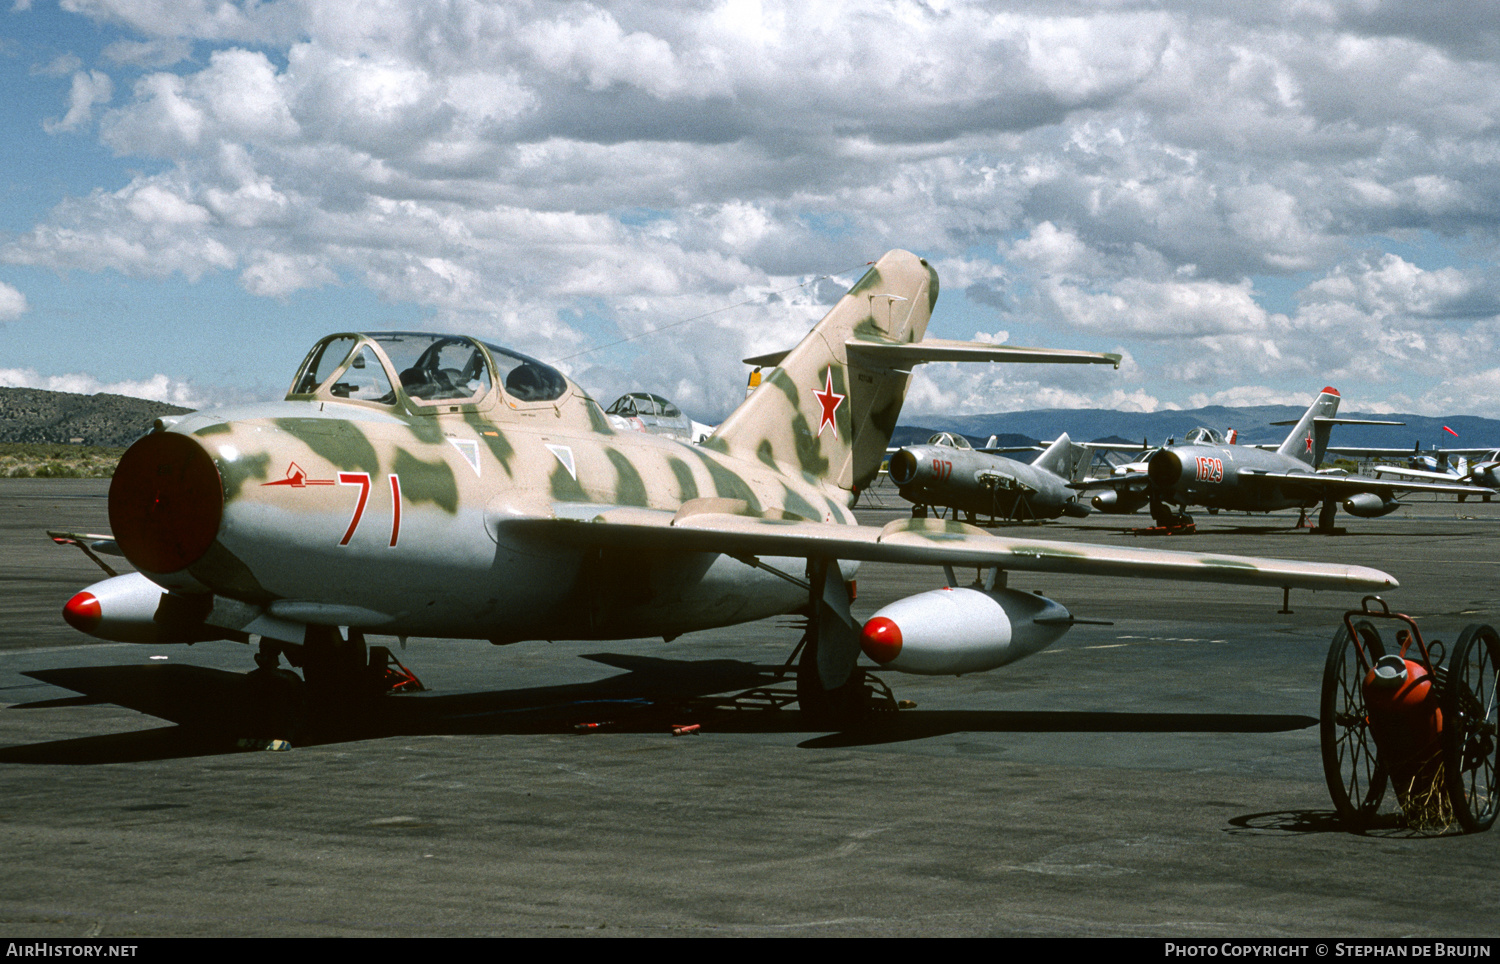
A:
832,690
1326,516
341,681
1400,719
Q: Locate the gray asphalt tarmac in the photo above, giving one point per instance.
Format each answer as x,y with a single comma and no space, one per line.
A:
1156,777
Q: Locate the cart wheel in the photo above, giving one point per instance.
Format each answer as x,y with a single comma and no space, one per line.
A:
1356,780
1469,724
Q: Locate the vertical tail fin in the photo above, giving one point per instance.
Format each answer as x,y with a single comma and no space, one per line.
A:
1063,458
821,413
1308,440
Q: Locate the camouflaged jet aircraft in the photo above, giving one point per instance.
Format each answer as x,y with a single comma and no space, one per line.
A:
1209,471
436,485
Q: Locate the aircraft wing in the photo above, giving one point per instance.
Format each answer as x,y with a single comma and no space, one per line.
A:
922,542
1404,453
1339,485
1402,472
1114,446
1134,481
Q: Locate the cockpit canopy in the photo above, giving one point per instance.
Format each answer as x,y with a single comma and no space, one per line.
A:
1203,436
641,404
426,369
951,439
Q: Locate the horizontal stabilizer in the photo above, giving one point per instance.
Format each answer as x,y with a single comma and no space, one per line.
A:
1325,420
873,354
881,355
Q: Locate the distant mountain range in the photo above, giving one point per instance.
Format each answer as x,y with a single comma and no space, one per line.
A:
1253,423
35,415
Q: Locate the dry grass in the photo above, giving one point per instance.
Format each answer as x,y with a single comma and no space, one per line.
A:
22,460
1424,800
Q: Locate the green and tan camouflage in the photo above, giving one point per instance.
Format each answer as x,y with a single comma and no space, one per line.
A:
415,484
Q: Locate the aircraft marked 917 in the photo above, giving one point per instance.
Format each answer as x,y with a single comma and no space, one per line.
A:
574,530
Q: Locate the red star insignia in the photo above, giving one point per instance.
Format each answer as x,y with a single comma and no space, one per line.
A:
1309,443
830,400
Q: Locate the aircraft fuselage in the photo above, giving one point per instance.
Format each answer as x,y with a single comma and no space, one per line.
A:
980,483
343,514
1223,477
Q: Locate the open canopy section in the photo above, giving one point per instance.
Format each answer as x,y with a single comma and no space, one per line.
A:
951,440
424,369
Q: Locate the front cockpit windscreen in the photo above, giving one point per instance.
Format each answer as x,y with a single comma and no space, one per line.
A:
1203,436
436,368
323,362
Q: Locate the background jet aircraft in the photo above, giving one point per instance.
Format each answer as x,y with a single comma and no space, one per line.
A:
1206,472
414,484
949,472
645,412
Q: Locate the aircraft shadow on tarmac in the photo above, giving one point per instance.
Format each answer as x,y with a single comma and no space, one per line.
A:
212,709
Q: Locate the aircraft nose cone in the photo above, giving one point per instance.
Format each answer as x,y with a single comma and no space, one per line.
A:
1164,469
165,502
881,639
82,612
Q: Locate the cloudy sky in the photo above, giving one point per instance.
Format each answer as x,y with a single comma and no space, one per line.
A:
1249,201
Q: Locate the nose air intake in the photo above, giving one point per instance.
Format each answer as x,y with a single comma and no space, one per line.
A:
903,467
1164,470
165,503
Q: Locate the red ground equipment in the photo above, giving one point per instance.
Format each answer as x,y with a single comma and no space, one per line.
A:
1405,718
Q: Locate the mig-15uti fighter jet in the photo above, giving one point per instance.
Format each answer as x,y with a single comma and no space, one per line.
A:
949,472
1210,472
436,485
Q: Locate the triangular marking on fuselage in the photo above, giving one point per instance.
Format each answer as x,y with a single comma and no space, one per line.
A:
565,456
469,449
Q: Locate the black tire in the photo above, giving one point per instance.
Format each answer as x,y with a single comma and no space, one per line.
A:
843,707
1470,714
1351,764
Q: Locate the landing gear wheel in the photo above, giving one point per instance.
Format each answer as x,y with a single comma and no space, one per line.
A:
339,687
1351,766
1469,727
843,706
